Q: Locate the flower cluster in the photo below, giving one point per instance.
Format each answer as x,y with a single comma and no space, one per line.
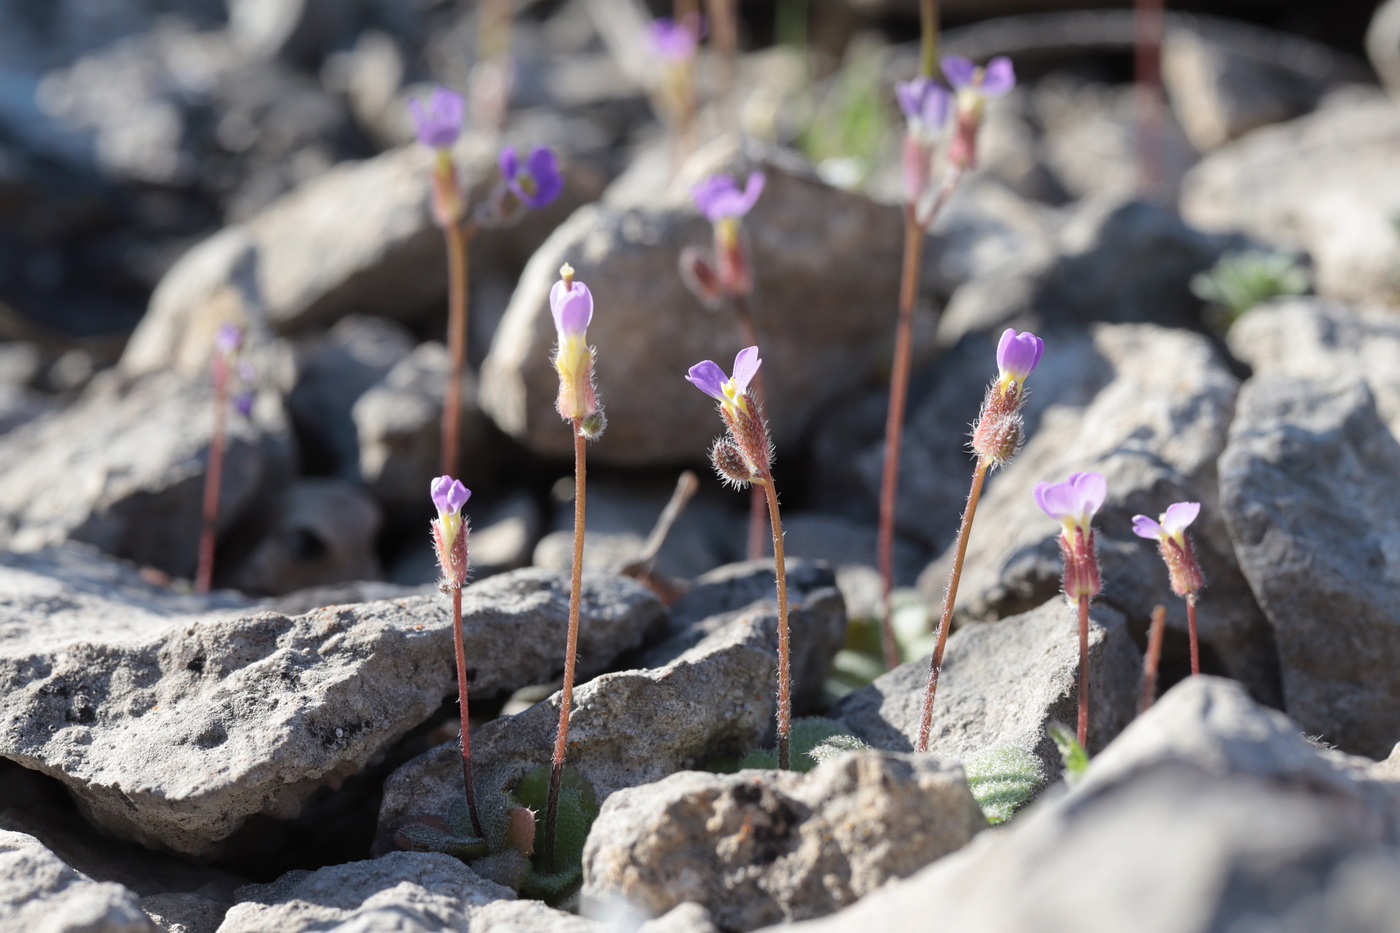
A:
450,530
571,304
725,273
1170,533
746,454
998,432
1073,503
228,344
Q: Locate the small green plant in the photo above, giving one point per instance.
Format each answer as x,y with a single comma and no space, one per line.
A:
1244,279
1076,759
814,740
1002,778
851,128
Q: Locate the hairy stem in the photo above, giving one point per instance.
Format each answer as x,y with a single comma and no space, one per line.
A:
1191,630
784,647
213,479
1153,659
462,704
749,334
945,621
556,771
894,422
457,241
1083,731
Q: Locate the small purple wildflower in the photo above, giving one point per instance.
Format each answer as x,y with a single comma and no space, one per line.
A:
438,122
925,104
719,198
536,181
571,303
449,495
228,339
731,392
746,455
1173,524
1073,502
1187,577
449,530
994,80
1018,355
673,41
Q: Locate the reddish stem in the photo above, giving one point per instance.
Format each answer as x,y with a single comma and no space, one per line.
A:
457,242
457,639
1153,659
556,770
1083,732
1191,630
213,479
945,621
749,334
784,648
1148,23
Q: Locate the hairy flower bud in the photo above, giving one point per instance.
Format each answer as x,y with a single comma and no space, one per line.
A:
592,426
730,464
997,437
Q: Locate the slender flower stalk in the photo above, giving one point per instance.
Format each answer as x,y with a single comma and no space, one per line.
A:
1148,25
228,341
571,303
995,440
450,533
1153,659
745,457
1073,504
726,273
1187,577
675,42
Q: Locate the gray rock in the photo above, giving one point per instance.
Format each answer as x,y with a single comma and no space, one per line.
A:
1321,183
1219,91
398,423
173,729
817,253
20,405
712,694
760,847
112,471
39,892
1002,684
1383,44
334,371
987,230
1114,260
323,532
1149,408
184,913
1307,488
1237,823
1312,338
413,892
683,918
357,239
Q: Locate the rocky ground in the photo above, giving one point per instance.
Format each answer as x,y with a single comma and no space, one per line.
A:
255,759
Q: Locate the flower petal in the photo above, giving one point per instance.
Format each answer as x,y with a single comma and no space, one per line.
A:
1179,515
746,365
1145,527
449,495
752,189
509,163
958,70
998,77
708,378
1090,489
572,307
1055,499
543,167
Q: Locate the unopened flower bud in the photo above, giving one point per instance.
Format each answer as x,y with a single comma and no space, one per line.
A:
571,303
730,464
997,437
700,277
592,426
450,529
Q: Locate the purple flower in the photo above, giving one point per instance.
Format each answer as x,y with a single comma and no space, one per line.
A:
1173,524
439,121
243,403
1018,355
992,81
710,379
536,181
228,339
674,41
449,495
571,303
1073,502
925,104
719,198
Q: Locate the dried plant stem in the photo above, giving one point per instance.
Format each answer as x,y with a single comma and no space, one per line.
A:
1153,659
894,422
462,703
213,479
784,647
458,240
945,621
749,335
1083,731
1191,630
556,771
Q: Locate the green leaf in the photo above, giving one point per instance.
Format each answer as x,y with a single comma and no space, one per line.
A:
836,746
1002,778
1076,759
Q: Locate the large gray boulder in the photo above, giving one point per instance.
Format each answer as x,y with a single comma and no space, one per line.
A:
39,892
819,254
1308,489
173,728
758,847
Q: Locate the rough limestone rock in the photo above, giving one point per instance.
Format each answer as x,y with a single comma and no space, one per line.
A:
1215,815
409,892
1002,684
706,692
1308,487
357,239
38,892
1322,183
758,847
173,729
1312,338
111,471
818,253
1150,409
